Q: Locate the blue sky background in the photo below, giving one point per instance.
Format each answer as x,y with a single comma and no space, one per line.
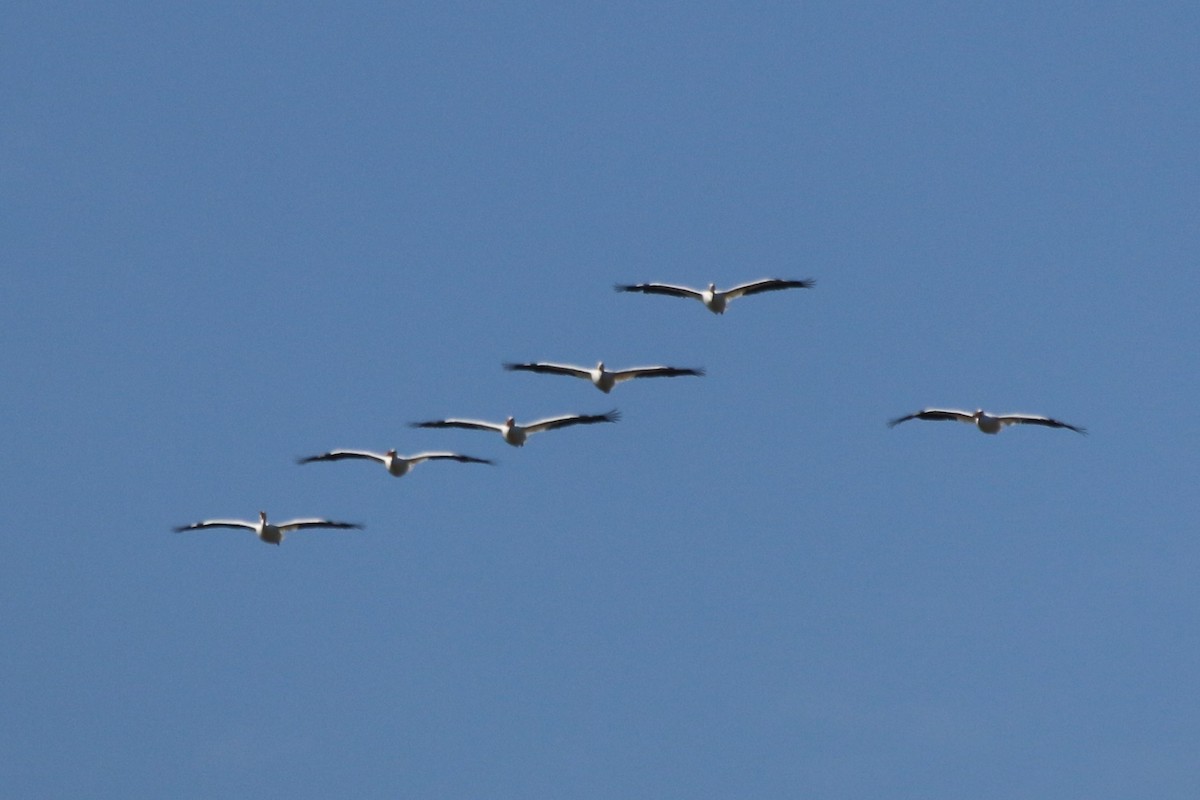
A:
237,234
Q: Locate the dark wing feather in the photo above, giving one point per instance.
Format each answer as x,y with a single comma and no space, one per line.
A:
660,372
932,413
451,457
298,524
469,424
341,455
658,288
770,285
1024,419
552,369
574,419
216,523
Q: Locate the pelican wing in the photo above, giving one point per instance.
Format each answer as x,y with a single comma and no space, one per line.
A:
660,288
935,413
297,524
419,457
768,285
217,523
1034,419
470,424
339,455
654,372
551,369
571,419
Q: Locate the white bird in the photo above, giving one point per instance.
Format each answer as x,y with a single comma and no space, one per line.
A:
714,299
988,423
395,464
266,531
602,378
516,434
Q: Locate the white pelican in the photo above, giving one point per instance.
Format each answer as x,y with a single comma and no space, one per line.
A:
602,378
714,299
988,423
268,532
395,464
516,434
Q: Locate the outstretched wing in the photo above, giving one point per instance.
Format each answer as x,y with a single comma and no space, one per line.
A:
768,285
1034,419
550,369
297,524
419,457
935,413
654,372
571,419
470,424
660,288
217,523
340,455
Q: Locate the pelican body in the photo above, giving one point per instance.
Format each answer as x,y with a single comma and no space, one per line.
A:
396,465
601,377
985,422
714,299
266,531
516,434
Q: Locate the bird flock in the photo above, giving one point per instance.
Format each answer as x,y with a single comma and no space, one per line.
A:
516,434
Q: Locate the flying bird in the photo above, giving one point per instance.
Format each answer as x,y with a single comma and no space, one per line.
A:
988,423
395,464
516,434
602,378
266,531
714,299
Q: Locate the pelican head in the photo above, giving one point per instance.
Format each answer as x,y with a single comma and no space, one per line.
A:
986,423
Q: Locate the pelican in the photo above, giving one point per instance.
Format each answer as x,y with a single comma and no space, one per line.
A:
714,299
988,423
602,378
395,464
266,531
516,434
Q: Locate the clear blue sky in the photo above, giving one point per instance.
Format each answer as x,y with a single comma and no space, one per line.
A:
234,235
